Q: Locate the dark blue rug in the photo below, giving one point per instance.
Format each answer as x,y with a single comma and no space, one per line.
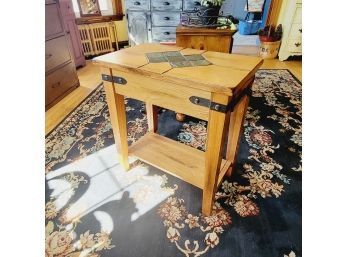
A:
93,208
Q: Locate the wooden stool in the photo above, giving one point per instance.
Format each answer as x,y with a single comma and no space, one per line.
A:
208,92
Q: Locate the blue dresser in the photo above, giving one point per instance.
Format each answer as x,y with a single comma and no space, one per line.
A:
155,20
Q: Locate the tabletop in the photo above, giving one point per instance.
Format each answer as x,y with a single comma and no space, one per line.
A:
212,71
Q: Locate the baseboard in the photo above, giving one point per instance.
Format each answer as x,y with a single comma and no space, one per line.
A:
122,44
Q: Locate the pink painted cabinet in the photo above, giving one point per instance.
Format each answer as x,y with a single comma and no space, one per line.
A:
72,32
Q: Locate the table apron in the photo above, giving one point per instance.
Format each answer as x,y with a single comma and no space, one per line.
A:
162,93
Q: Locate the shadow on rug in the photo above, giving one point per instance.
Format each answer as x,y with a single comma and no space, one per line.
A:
93,208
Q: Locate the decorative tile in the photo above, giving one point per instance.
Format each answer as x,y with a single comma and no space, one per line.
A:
200,63
194,57
172,54
180,64
176,58
156,57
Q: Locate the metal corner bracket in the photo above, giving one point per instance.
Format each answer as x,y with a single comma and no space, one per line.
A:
114,79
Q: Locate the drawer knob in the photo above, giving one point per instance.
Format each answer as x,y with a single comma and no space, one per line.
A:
166,18
136,3
166,33
297,44
166,3
300,30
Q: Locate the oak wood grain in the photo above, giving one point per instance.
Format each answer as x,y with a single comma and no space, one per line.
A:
217,125
117,112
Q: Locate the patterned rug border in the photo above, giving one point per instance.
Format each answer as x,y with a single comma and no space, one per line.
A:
101,84
74,109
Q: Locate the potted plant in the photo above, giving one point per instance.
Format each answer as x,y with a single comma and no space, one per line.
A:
210,8
270,41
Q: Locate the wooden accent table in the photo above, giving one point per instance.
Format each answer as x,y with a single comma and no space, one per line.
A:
208,92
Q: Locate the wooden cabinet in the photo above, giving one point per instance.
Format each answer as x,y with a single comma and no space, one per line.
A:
61,76
292,26
218,40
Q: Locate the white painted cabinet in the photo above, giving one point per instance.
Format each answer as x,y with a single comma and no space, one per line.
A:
292,30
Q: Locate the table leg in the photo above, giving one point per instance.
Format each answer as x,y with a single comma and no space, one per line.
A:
235,131
117,112
217,125
152,117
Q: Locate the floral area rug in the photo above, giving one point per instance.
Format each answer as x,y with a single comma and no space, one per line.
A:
93,208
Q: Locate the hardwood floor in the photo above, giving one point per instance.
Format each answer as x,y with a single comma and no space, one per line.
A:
90,78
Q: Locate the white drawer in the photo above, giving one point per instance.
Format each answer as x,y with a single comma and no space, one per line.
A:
165,19
294,45
296,31
138,5
166,5
163,34
191,4
298,14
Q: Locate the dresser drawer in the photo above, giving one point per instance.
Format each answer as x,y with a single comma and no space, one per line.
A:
166,5
53,24
58,82
163,34
56,52
191,4
296,31
165,18
298,14
294,45
138,4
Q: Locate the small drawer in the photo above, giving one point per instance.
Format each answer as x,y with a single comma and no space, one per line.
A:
56,52
59,82
294,45
298,15
296,31
163,34
138,4
53,24
166,5
165,18
191,4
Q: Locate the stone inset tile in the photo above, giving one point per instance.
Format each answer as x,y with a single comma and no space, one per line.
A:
172,54
156,57
177,60
180,64
194,57
200,63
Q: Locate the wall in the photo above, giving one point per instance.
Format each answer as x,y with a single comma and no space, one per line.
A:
121,26
282,11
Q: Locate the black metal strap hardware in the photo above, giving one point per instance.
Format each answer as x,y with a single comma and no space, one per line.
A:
114,79
207,103
219,107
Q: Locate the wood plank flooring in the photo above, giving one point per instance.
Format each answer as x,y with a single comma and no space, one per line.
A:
90,78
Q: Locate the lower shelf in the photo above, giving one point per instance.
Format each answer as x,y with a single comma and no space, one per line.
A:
175,158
